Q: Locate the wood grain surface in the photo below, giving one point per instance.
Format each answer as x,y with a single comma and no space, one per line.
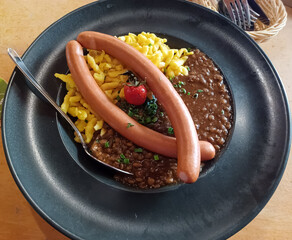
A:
21,21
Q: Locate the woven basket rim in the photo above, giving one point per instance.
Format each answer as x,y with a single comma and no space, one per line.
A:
263,34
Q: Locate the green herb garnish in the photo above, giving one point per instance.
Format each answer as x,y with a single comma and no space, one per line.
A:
156,157
151,107
183,90
180,84
148,120
126,160
154,120
138,150
123,159
130,125
106,145
189,93
149,44
143,113
188,68
130,113
170,130
200,90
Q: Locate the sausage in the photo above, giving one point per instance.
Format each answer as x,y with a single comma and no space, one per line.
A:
208,151
187,143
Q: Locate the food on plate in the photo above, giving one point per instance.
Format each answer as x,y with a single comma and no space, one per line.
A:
188,149
151,168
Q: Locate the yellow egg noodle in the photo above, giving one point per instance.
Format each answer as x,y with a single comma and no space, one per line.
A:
107,72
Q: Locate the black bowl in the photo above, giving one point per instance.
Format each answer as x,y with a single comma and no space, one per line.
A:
220,203
106,175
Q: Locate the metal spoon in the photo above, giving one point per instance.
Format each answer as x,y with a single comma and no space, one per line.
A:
20,64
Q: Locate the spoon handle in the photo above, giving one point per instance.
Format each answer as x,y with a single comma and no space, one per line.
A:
22,67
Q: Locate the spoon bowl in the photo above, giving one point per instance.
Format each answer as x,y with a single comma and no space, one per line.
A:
22,67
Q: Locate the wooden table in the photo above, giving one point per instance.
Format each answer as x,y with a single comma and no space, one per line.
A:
21,21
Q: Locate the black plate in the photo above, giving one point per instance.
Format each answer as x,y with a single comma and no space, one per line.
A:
220,203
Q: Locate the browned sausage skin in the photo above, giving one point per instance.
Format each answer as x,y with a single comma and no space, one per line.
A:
188,148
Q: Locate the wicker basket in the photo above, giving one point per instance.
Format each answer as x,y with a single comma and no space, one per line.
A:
274,9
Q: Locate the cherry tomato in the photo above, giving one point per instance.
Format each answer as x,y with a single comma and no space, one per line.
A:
135,95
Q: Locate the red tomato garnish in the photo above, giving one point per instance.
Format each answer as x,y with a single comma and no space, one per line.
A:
135,95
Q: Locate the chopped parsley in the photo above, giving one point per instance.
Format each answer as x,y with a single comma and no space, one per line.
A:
179,84
144,114
126,160
130,113
196,95
138,150
123,159
130,125
156,157
182,90
188,68
151,107
154,120
106,145
148,119
170,130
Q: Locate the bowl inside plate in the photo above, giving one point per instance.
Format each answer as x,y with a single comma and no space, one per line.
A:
106,175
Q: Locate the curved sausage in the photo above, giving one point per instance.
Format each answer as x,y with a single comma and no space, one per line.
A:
188,148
